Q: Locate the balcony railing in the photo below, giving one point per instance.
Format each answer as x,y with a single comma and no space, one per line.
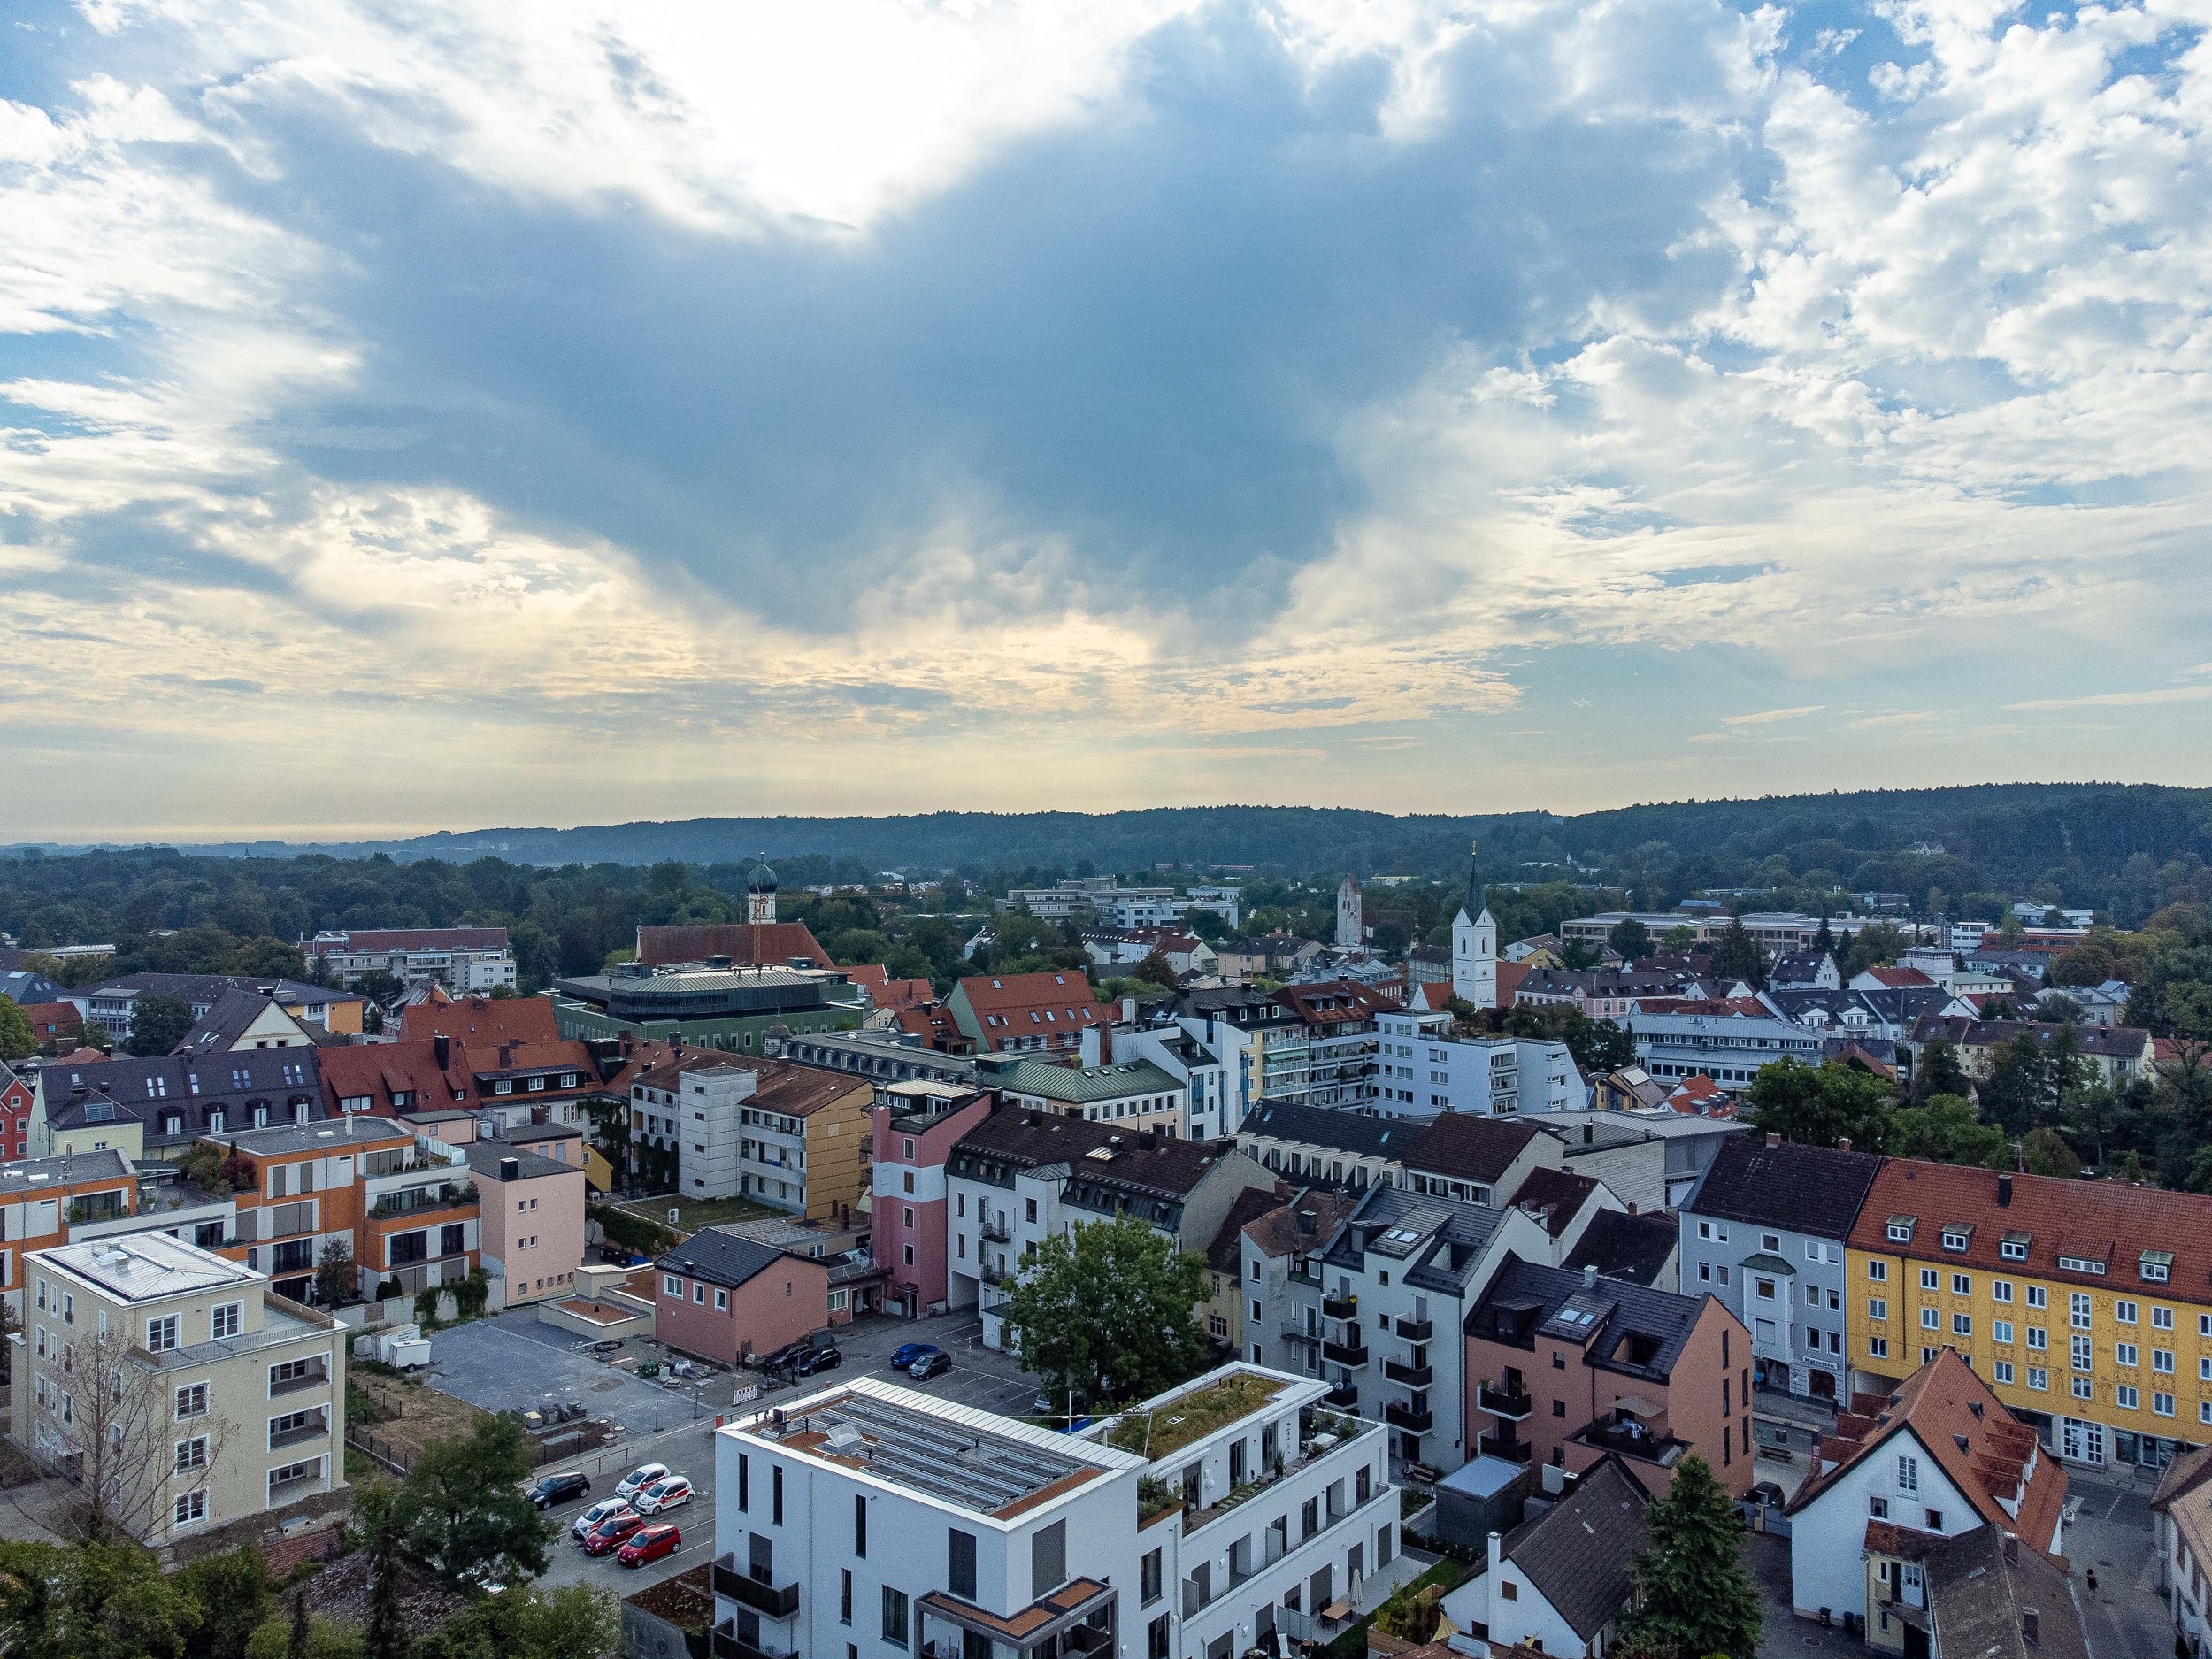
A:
1412,1375
1299,1333
1350,1356
1345,1396
1340,1307
1501,1403
1632,1441
997,1232
1414,1330
727,1643
420,1200
767,1600
318,1430
318,1377
1418,1420
1496,1445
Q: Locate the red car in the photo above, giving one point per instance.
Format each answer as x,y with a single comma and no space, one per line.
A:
611,1532
650,1543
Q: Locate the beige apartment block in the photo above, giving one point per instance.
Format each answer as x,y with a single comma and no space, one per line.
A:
175,1383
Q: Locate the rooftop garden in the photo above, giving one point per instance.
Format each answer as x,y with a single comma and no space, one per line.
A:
1190,1416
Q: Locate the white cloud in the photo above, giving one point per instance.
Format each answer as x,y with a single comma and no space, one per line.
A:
1768,716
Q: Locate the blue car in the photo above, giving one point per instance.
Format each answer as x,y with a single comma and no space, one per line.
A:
908,1355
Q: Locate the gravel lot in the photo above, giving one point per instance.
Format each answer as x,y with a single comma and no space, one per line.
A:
515,1362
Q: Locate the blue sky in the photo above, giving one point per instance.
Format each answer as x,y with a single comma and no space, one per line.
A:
428,417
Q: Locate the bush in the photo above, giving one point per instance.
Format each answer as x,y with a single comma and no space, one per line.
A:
632,1232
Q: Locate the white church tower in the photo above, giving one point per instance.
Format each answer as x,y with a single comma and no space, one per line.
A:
1350,922
1474,945
760,894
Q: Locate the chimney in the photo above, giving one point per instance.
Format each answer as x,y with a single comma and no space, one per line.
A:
442,1050
1590,1275
1631,1206
1774,1137
1129,1010
1589,1133
2012,1549
511,1169
1844,1145
2032,1626
2004,1192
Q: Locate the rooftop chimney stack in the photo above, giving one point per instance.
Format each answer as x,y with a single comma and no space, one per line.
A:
1590,1275
1844,1145
2004,1192
1774,1137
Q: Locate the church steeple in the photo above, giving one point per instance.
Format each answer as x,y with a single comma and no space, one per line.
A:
1472,904
1475,942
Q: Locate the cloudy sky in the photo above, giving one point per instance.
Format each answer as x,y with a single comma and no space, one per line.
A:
474,414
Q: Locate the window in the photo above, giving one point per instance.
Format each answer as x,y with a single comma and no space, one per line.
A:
2124,1312
290,1472
1879,1508
1961,1324
1908,1474
2080,1311
1931,1320
1878,1347
2128,1398
2123,1354
2081,1388
960,1564
192,1400
2037,1297
1704,1229
2037,1337
1935,1519
190,1508
2161,1318
860,1524
2162,1405
2014,1247
699,1293
2081,1353
2003,1368
775,1504
672,1285
1877,1270
2000,1289
721,1300
226,1319
1705,1273
844,1595
2039,1378
1148,1578
161,1334
1930,1280
895,1616
1876,1308
2155,1266
1955,1240
192,1454
2001,1330
1048,1559
1961,1284
1771,1241
1899,1230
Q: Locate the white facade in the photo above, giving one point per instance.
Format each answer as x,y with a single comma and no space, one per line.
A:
1475,947
710,1132
1730,1049
1899,1483
1350,920
1208,1078
847,1523
1421,1070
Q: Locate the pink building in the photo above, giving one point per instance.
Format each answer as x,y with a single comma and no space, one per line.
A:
533,1216
917,1123
722,1297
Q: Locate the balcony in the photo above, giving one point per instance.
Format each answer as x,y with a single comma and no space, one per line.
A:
765,1599
1632,1439
997,1232
1412,1375
1511,1406
317,1376
1496,1445
1340,1307
282,1491
1344,1396
1414,1330
1352,1356
422,1200
318,1430
1417,1420
1299,1333
725,1643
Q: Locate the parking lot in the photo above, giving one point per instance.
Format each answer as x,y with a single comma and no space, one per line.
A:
515,1362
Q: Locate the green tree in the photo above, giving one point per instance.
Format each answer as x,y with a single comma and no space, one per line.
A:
335,1277
381,988
2092,1116
1737,955
98,1602
299,1640
1876,945
1679,941
1694,1598
1948,1130
380,1524
158,1024
1110,1311
230,1594
464,1510
1939,1072
16,1039
1155,969
2045,1152
1631,938
1820,1105
572,1622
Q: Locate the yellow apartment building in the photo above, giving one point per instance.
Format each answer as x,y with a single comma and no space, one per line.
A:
2086,1305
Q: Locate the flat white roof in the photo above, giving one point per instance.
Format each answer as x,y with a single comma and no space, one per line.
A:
147,1266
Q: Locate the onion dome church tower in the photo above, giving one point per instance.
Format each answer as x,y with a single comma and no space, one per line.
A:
760,894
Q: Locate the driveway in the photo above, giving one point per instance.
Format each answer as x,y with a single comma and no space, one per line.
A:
981,1376
2111,1533
515,1362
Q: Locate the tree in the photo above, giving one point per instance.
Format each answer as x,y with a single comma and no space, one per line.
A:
299,1643
2092,1115
1631,938
1679,941
158,1024
1693,1597
1876,945
2045,1152
2188,1013
1939,1072
1155,970
1948,1130
1737,955
463,1508
380,987
336,1280
1110,1309
1599,1045
2056,1007
17,1042
1820,1105
230,1594
114,1422
572,1622
1825,940
380,1526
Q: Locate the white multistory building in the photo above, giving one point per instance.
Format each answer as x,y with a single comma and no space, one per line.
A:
1421,1069
872,1519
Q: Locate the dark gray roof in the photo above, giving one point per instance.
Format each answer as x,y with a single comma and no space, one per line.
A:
26,1178
1578,1554
1012,1139
1469,1146
225,1021
313,1137
26,986
1790,1187
1977,1597
1659,1320
190,1087
1436,1241
1634,1248
202,990
720,1258
1325,1127
485,1157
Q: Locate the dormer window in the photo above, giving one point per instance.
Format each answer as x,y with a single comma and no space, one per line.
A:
1956,1238
1900,1230
2156,1267
2081,1265
2014,1247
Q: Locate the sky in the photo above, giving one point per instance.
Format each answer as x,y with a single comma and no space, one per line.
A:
434,417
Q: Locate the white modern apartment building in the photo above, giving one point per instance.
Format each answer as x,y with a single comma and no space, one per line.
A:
1728,1048
464,960
1421,1069
874,1520
218,1399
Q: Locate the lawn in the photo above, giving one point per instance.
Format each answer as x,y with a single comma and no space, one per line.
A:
1193,1416
698,1212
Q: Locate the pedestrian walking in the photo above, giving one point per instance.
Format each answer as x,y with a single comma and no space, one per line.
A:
2093,1581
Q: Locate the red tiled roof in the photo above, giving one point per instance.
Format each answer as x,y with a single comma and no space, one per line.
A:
492,1019
1024,1005
1509,977
885,992
1897,977
770,943
1554,1196
1335,1003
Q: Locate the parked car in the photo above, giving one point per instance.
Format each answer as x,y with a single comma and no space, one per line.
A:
817,1359
931,1364
643,1476
650,1543
598,1512
610,1532
1768,1492
560,1488
662,1494
777,1359
908,1355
